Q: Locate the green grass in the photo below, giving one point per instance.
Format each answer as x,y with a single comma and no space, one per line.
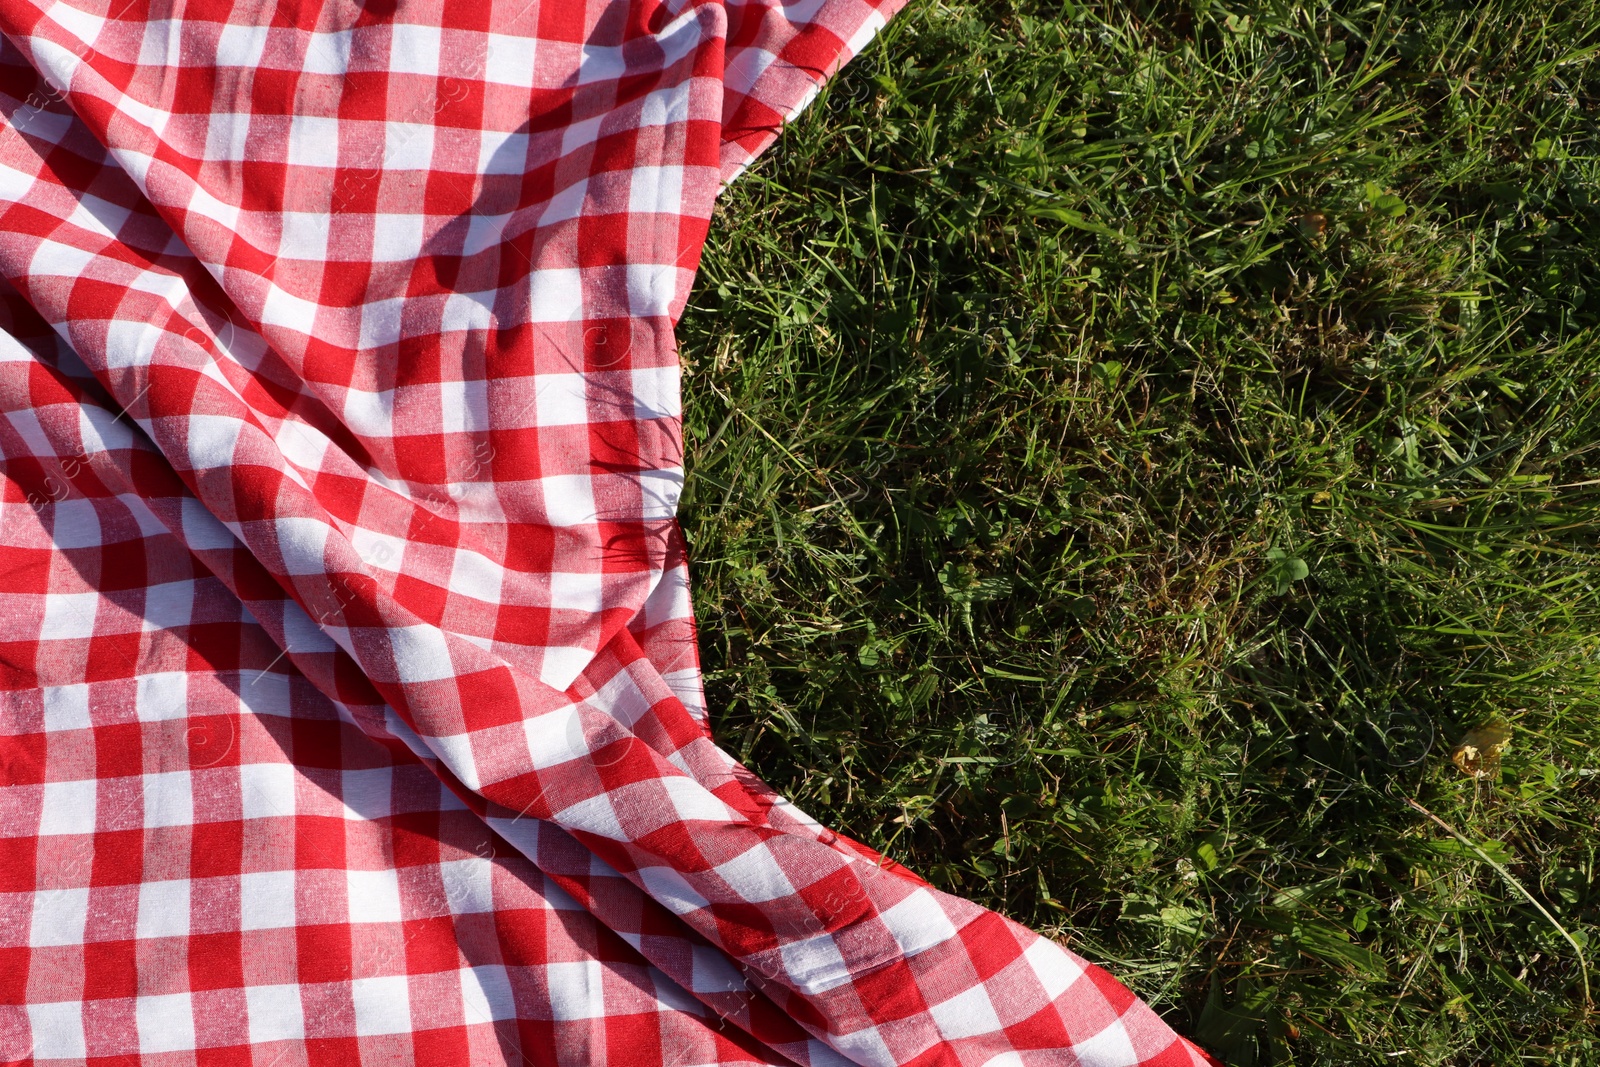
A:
1131,444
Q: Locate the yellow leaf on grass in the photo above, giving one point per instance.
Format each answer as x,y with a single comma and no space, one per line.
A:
1478,753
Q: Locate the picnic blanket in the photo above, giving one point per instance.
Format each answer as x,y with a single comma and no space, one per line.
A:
349,704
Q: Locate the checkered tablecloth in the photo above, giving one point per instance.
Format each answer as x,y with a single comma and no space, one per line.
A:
349,707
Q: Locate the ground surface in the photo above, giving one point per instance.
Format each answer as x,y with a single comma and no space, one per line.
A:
1131,445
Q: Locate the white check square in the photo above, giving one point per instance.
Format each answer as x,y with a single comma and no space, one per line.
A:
66,707
266,900
383,1005
57,1030
576,990
69,616
275,1013
68,807
374,896
413,49
165,1023
313,141
168,799
59,917
163,909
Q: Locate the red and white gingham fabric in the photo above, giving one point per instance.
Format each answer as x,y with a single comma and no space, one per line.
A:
350,706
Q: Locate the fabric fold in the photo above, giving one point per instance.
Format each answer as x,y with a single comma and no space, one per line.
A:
353,710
